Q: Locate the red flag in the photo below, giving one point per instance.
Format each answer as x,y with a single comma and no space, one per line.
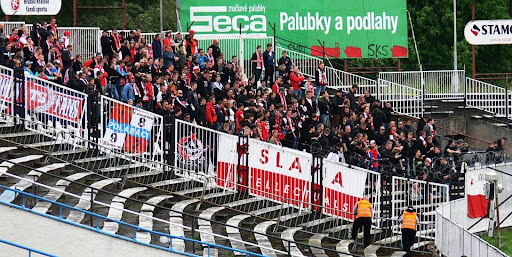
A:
475,194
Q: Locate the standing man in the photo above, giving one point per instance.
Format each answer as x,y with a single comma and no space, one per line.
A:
157,46
363,212
257,63
269,60
409,219
321,80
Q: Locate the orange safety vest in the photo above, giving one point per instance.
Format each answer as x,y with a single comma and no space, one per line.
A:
409,220
364,209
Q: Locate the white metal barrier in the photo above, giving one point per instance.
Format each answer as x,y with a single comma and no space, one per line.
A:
453,240
57,107
10,25
6,94
196,150
404,100
442,84
424,196
488,97
337,78
135,131
344,186
85,40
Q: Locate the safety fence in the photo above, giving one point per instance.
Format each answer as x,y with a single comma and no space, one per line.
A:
6,94
337,79
61,108
488,97
30,251
404,100
453,240
434,84
132,130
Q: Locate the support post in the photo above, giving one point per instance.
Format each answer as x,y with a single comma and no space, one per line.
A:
74,14
124,14
473,51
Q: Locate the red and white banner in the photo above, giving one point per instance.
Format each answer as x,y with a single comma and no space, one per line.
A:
227,161
342,188
54,101
279,173
475,193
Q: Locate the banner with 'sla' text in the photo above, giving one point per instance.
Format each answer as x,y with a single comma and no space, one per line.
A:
279,173
346,28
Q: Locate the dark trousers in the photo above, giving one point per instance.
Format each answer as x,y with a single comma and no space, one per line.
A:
269,75
408,238
257,75
366,223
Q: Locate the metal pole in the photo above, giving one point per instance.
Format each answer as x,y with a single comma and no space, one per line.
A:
74,14
473,51
161,16
178,15
507,112
124,14
454,35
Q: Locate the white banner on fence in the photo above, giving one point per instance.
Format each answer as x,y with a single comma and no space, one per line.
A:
343,187
279,173
227,161
55,106
131,129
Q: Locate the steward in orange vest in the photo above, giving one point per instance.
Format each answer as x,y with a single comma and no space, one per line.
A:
363,213
409,219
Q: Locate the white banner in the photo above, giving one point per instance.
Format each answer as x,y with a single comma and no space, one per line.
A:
114,139
31,7
343,187
279,173
227,162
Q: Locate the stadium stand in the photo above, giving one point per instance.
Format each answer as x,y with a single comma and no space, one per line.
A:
152,192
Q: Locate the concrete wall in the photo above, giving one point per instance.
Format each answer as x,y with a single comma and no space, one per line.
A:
54,237
476,128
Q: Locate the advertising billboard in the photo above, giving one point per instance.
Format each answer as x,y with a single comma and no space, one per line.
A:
489,32
31,7
345,29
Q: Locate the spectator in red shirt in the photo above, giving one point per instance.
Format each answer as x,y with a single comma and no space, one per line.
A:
239,117
211,115
295,80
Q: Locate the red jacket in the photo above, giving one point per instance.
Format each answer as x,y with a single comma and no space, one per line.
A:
211,115
295,80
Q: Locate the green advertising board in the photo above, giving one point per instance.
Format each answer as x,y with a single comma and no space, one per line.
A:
346,28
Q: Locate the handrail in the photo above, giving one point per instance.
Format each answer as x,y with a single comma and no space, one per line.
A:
134,227
440,212
462,134
30,250
158,206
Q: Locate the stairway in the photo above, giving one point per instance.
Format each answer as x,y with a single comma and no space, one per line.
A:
152,208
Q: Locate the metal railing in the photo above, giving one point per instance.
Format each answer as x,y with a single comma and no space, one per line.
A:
28,249
337,79
194,219
434,84
404,100
453,240
6,93
488,97
62,208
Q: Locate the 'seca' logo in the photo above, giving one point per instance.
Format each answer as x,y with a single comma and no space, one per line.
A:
223,23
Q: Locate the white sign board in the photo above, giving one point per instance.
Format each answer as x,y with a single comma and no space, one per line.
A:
31,7
489,32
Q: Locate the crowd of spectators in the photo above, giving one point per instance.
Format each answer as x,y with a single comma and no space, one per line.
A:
175,78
